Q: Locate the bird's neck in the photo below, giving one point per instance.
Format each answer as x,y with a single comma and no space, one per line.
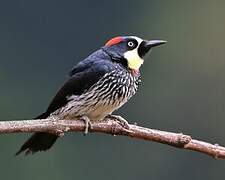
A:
134,72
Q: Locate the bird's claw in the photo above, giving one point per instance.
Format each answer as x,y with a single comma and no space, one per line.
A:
121,120
87,124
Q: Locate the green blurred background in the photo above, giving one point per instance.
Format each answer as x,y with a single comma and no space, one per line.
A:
182,91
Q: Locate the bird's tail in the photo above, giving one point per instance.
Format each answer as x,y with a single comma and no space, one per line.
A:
38,141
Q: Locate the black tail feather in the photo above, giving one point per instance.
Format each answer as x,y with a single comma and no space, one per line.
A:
38,142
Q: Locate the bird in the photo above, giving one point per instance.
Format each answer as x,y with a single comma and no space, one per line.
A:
96,87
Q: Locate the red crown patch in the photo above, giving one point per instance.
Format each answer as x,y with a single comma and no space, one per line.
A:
114,41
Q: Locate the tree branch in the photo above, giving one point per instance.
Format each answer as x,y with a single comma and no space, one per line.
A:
108,126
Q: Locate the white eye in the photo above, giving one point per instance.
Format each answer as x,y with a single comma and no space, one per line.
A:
130,44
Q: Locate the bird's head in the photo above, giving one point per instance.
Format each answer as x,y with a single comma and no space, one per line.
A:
130,50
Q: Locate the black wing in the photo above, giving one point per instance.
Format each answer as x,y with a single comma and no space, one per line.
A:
82,77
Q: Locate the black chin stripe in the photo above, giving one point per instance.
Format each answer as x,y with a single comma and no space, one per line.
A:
142,50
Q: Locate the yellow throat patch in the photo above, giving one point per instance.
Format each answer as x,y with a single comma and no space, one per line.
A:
133,59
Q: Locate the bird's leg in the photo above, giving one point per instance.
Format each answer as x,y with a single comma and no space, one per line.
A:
87,123
121,120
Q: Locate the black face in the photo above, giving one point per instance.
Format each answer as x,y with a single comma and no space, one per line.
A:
131,44
142,49
117,50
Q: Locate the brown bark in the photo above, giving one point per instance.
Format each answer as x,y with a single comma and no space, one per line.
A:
108,126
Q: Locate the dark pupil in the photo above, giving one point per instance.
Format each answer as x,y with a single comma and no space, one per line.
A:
131,44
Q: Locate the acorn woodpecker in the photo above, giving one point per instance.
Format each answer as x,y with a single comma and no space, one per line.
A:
96,86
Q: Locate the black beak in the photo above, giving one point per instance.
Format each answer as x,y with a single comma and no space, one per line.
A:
145,46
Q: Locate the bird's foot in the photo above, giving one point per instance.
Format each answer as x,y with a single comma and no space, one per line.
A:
87,124
120,119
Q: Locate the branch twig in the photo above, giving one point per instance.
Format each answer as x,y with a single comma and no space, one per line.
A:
58,127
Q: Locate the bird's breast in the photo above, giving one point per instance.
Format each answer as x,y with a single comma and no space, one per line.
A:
108,94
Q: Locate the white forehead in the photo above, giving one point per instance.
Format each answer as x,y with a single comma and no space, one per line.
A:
139,40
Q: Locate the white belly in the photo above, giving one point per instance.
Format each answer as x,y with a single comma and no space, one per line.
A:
95,111
101,110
